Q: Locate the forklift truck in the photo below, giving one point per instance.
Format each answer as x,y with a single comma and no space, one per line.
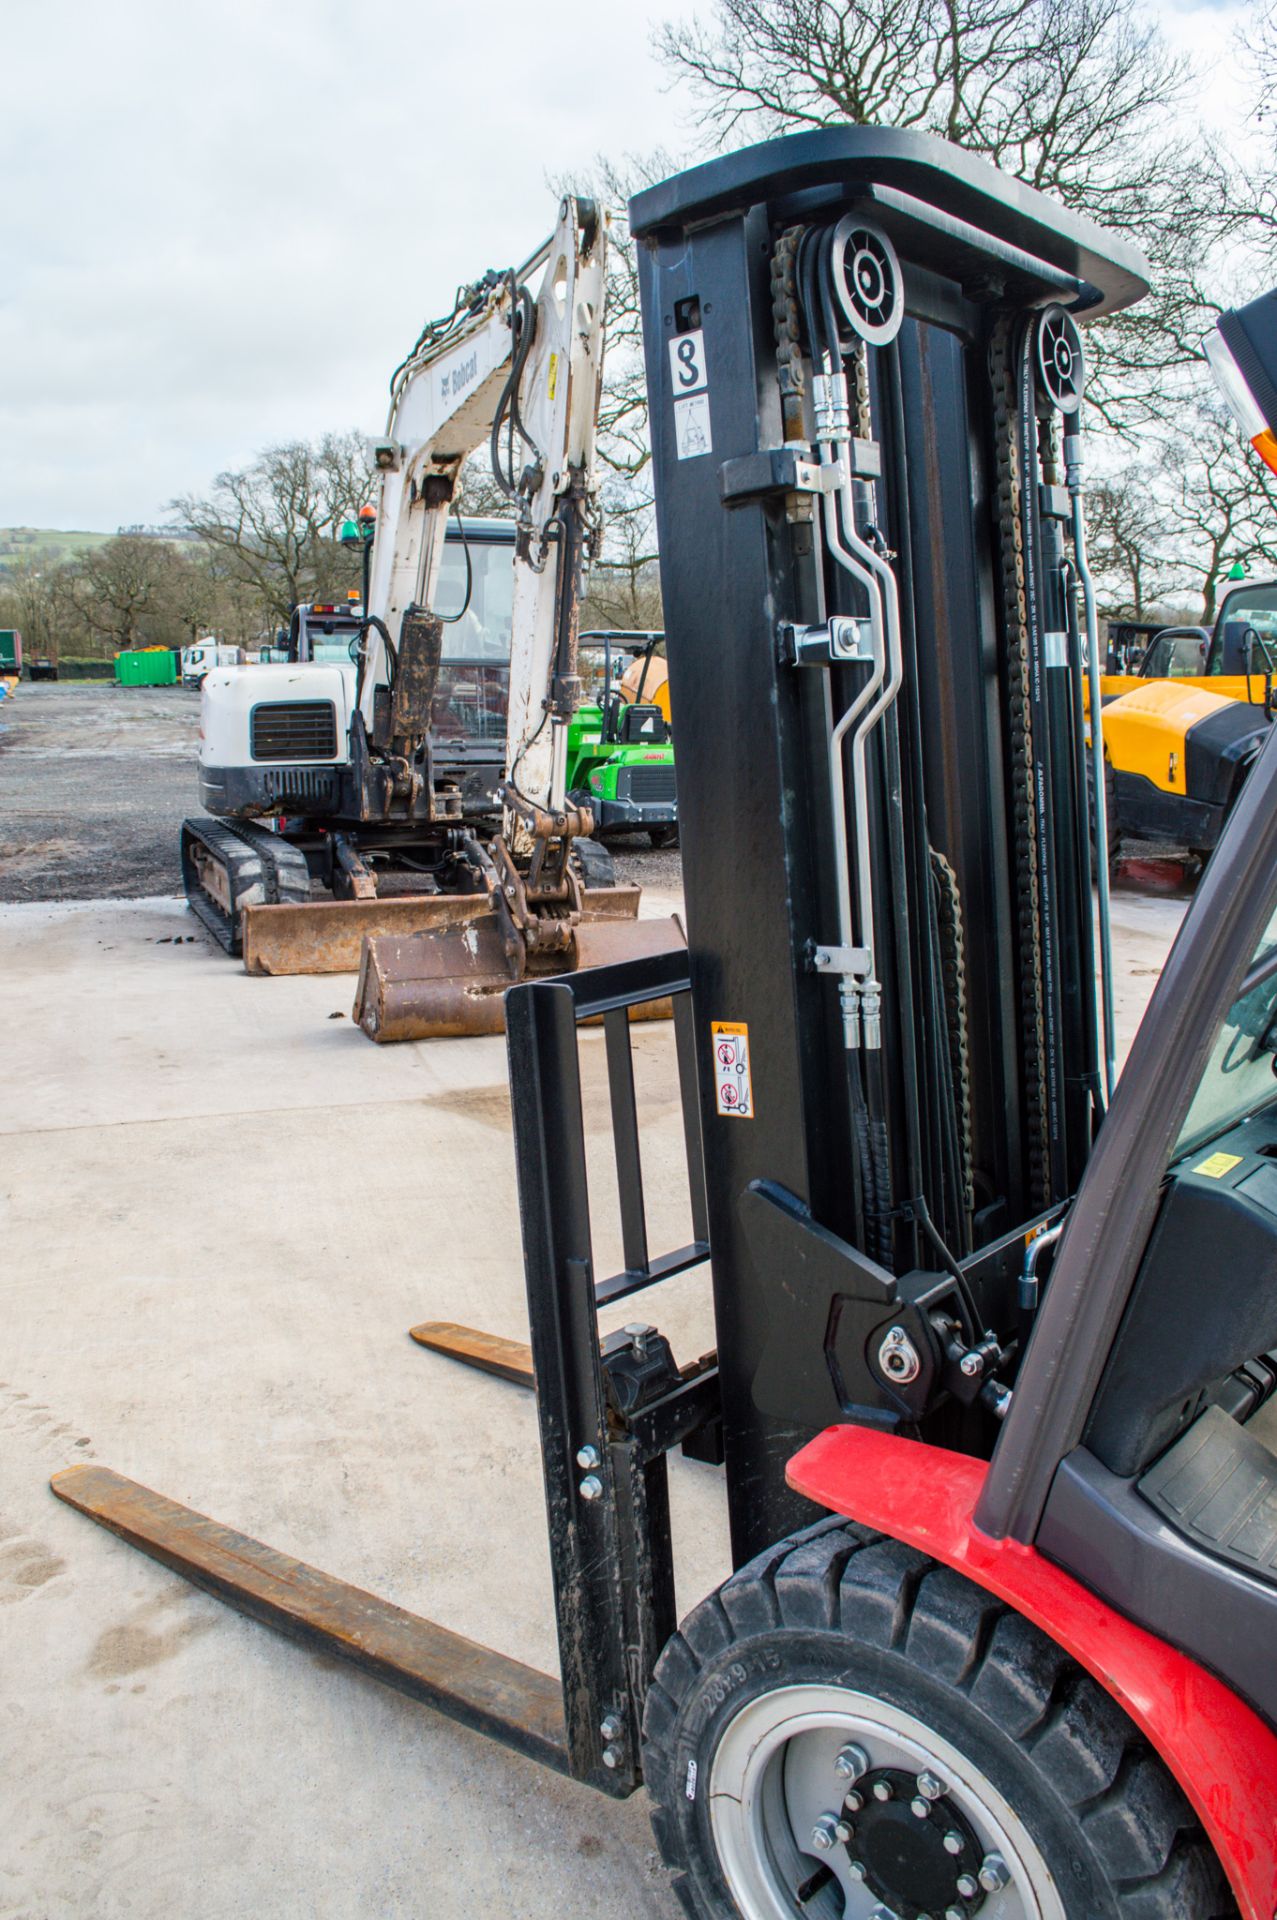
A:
994,1343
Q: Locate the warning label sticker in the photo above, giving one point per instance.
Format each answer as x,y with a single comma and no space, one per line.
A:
1216,1165
733,1089
691,426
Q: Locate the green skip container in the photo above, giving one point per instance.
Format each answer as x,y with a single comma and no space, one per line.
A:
149,667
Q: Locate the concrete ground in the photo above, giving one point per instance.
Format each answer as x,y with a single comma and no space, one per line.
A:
220,1211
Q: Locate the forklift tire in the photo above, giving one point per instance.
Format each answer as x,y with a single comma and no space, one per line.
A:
849,1728
594,863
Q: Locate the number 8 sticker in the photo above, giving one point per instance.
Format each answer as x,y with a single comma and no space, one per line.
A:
687,363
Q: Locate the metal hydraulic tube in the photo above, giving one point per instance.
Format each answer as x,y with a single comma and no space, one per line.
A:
850,988
874,576
871,1001
1073,480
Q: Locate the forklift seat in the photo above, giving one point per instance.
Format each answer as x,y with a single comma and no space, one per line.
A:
643,726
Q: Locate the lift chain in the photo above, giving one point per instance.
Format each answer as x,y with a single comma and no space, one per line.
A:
953,963
786,328
1011,534
862,412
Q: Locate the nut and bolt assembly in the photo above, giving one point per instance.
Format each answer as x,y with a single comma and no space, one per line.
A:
852,1761
994,1873
898,1357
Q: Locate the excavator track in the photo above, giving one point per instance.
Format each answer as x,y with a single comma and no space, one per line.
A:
226,869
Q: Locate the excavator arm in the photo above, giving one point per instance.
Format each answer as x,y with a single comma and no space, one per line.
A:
523,374
519,373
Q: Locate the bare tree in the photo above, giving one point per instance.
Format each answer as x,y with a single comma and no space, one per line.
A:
1223,504
624,587
1079,98
120,583
28,602
276,523
1130,536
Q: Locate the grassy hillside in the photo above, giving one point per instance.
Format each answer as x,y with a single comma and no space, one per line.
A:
56,544
45,543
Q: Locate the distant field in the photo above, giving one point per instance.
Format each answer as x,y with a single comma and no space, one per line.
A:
45,543
48,543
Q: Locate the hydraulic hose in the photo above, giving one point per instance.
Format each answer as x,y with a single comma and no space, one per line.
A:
1073,479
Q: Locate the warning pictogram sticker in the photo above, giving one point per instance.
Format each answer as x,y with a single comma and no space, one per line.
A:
733,1090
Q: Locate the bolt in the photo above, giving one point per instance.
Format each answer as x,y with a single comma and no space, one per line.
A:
953,1841
971,1365
843,1831
612,1729
920,1808
825,1832
884,1913
587,1457
994,1872
898,1357
851,1763
612,1757
954,1913
857,1869
591,1487
930,1786
853,1801
968,1886
639,1335
882,1789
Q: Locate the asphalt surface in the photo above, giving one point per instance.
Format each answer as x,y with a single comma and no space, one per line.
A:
96,779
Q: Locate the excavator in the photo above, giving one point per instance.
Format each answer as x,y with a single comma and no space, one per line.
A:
403,812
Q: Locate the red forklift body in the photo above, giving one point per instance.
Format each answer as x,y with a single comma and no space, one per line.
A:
1220,1751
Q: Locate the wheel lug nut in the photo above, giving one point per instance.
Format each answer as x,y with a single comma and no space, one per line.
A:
843,1831
824,1834
954,1913
920,1808
882,1789
851,1763
853,1801
930,1786
857,1869
994,1872
953,1841
968,1886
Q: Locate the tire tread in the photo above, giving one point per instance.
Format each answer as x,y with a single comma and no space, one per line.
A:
842,1578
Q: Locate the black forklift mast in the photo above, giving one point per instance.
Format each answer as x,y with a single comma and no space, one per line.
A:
871,1193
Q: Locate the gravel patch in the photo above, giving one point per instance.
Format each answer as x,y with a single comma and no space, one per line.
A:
96,779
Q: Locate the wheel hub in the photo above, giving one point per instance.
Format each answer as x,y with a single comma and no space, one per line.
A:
914,1851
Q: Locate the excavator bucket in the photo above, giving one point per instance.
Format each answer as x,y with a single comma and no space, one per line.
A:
452,979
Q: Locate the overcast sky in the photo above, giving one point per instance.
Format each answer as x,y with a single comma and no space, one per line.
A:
222,225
